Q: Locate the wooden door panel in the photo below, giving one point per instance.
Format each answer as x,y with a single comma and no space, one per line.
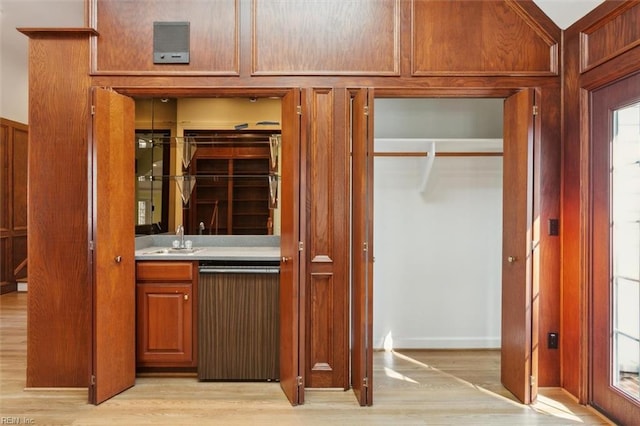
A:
291,333
362,249
516,364
112,172
326,256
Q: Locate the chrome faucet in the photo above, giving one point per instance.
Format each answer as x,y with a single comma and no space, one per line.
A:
180,232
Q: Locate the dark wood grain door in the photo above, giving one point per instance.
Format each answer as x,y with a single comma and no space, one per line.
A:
291,268
112,180
615,250
362,247
517,259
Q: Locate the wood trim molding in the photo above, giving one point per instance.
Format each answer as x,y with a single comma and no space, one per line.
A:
34,32
616,33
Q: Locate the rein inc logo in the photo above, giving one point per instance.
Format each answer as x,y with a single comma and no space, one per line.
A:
17,421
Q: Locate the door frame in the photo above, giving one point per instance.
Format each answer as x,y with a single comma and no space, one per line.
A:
291,253
535,274
603,396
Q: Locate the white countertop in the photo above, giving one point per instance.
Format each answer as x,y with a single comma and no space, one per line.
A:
210,253
158,247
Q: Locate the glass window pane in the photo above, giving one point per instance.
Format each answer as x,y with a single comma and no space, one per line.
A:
626,372
628,312
625,204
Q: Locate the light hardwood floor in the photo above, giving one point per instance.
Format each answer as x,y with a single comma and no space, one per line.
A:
410,388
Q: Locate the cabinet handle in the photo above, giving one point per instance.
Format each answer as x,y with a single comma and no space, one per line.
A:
285,259
511,259
118,259
186,296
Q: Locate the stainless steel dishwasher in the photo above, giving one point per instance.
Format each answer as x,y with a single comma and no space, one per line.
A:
238,320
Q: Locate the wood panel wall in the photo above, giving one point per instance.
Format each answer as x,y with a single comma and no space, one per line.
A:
59,305
13,207
126,37
601,48
331,37
329,46
326,37
498,38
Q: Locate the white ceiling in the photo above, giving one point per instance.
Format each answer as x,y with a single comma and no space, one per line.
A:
566,12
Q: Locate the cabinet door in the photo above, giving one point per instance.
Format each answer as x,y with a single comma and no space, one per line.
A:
517,363
362,249
291,333
113,275
164,325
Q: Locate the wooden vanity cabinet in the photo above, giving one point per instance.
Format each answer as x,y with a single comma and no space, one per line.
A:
166,304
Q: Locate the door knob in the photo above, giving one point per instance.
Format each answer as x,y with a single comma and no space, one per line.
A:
285,259
118,259
511,259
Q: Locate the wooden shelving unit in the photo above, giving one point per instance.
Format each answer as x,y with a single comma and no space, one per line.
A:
231,196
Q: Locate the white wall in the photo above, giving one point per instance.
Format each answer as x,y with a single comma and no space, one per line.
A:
14,88
437,270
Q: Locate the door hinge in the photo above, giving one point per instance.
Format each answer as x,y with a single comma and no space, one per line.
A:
365,247
93,110
300,246
366,110
532,381
91,245
365,382
299,109
535,110
93,380
299,380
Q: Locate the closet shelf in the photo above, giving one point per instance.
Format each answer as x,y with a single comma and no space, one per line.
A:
439,154
426,148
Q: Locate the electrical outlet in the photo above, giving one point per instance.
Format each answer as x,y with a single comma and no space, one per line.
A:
552,341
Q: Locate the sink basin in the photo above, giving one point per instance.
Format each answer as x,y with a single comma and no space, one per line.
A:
172,250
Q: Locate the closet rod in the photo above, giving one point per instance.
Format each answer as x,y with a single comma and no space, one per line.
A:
438,154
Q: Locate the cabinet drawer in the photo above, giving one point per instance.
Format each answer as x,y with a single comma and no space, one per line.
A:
164,271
